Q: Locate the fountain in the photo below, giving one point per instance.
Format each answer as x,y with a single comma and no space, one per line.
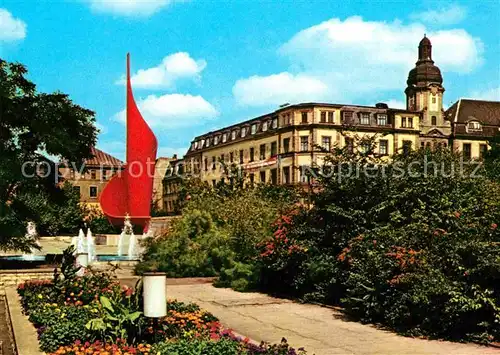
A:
31,234
132,246
90,247
119,252
127,230
80,243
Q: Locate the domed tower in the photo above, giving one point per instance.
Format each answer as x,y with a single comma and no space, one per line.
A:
424,91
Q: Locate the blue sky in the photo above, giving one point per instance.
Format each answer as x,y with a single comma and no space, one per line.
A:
200,65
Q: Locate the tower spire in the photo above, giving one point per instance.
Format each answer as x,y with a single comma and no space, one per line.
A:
425,49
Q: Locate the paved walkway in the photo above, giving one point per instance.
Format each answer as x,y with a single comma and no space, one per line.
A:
320,330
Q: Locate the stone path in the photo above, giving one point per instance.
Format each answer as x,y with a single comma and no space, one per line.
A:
320,330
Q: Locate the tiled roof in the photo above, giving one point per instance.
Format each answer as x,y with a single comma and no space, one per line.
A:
102,159
485,112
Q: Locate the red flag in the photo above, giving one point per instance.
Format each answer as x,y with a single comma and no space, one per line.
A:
130,191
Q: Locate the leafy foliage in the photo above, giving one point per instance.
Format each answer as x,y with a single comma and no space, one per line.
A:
31,123
212,237
407,244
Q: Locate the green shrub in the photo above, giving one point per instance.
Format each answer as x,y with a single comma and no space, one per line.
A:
418,252
240,277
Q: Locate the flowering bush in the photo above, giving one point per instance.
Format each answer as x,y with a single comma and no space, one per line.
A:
418,252
100,348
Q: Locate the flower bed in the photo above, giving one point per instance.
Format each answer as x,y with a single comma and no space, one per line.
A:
93,314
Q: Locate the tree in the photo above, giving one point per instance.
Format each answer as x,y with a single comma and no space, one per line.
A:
32,123
492,159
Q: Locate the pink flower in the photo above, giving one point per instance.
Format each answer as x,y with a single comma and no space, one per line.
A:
494,226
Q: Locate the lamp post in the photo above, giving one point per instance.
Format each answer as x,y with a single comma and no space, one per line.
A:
82,260
155,296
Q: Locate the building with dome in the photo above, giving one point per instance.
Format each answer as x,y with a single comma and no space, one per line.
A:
275,147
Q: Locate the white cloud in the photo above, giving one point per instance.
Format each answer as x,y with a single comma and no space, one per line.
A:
11,29
114,148
133,8
355,57
449,15
487,95
172,68
396,104
278,89
173,111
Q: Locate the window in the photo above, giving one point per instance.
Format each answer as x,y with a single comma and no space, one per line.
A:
224,138
243,132
262,176
467,150
304,143
331,117
93,191
202,143
254,128
93,174
286,119
474,126
216,140
406,147
433,100
233,135
274,176
483,149
304,117
208,143
104,174
407,122
77,190
213,163
222,158
323,117
252,153
347,116
241,156
231,156
274,149
383,147
195,145
264,126
364,118
304,176
349,144
382,119
206,164
326,142
434,120
286,145
274,123
262,152
286,174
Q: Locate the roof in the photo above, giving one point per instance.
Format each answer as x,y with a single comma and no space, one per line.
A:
295,106
466,110
102,159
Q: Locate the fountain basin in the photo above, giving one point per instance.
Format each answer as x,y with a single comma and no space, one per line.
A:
12,262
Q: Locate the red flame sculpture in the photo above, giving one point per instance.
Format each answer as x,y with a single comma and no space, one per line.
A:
130,191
